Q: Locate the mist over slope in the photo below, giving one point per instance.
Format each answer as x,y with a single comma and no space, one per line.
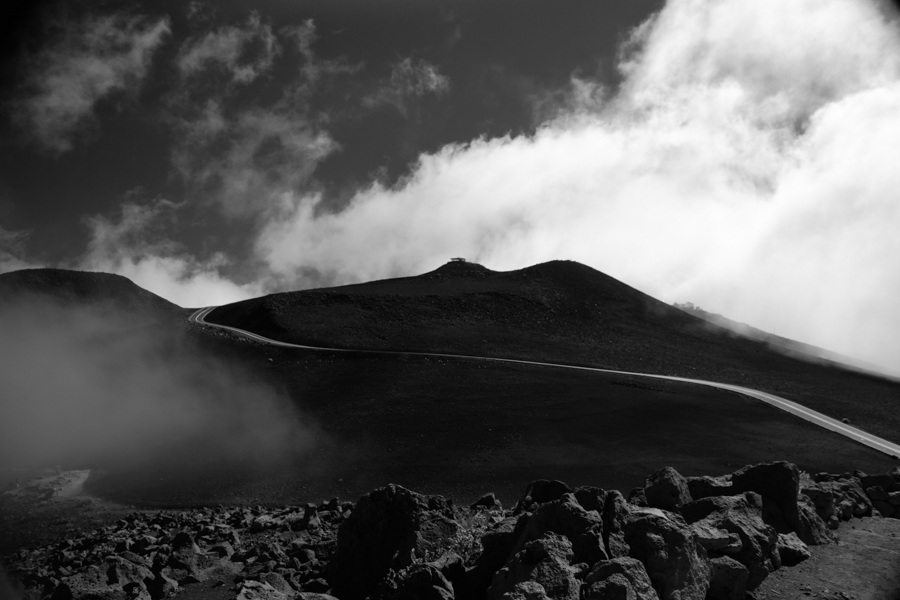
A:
98,372
560,311
80,289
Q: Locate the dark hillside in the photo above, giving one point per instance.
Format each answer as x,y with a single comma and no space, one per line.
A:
72,289
559,311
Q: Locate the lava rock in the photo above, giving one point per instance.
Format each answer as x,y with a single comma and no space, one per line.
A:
545,561
666,489
676,563
791,550
541,491
728,579
565,517
625,577
389,529
741,515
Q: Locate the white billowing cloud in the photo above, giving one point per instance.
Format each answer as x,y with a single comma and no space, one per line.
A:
122,247
746,165
409,79
93,59
244,52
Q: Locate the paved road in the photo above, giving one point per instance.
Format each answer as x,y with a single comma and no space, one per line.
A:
801,411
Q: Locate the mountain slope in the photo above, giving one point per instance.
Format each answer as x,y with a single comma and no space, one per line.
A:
559,311
73,289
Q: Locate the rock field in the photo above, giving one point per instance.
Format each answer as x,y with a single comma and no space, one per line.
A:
676,538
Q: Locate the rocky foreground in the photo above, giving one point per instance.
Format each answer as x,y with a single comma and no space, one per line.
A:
674,539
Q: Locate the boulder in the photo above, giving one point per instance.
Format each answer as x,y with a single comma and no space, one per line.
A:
741,515
706,486
620,577
121,572
676,563
566,517
822,496
257,590
278,582
389,528
812,529
637,497
526,590
791,550
885,482
417,582
666,489
496,547
714,539
876,492
544,561
488,501
615,510
728,579
541,491
779,485
89,584
162,586
591,498
885,509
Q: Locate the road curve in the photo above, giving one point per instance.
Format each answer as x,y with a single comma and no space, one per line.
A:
807,414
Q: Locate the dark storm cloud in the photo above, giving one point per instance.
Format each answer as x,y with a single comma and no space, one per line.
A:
86,60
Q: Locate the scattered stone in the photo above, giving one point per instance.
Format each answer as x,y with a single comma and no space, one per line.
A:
625,577
727,580
791,550
676,563
539,492
545,561
390,528
565,517
666,489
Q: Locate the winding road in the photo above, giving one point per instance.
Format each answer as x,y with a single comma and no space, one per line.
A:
867,439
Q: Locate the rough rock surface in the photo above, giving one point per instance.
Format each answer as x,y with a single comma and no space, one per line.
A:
741,515
676,563
625,577
666,489
566,517
394,544
390,528
545,561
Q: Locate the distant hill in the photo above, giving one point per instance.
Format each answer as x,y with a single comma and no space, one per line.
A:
560,311
72,289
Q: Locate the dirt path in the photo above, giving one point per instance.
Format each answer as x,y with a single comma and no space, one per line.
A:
864,565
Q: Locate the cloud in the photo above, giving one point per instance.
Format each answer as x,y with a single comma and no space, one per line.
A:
409,79
242,151
91,59
124,247
243,53
131,398
745,164
244,158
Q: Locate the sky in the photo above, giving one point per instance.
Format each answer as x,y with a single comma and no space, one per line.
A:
737,155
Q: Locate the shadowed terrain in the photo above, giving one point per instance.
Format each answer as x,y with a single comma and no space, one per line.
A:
343,423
